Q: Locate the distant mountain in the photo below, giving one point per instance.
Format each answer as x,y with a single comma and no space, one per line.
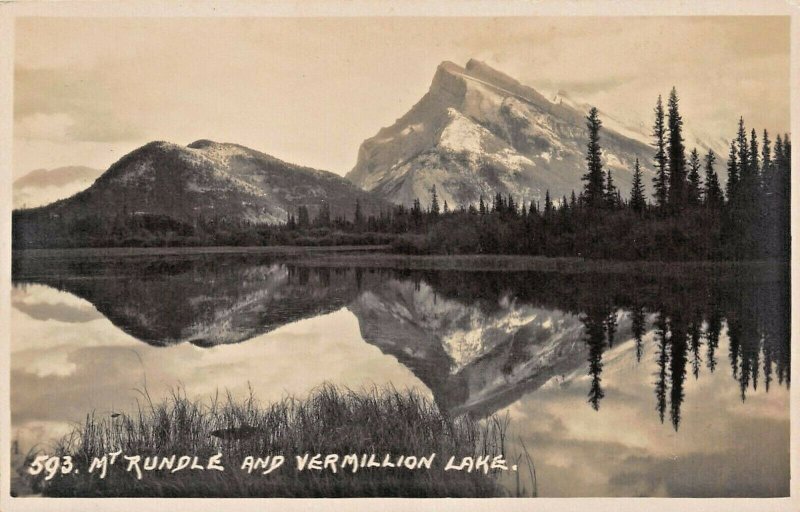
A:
211,179
478,131
43,186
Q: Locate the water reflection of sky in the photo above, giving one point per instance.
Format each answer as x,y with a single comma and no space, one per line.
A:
68,359
73,362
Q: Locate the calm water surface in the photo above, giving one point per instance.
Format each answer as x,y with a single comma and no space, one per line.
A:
616,384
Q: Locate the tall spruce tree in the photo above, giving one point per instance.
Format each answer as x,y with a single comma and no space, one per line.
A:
594,178
434,202
766,164
712,193
676,153
750,179
743,155
548,205
661,179
693,191
637,202
732,186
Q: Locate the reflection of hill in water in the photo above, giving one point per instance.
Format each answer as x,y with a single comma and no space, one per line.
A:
478,340
197,299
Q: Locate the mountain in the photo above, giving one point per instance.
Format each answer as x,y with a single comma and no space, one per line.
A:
43,186
211,180
478,131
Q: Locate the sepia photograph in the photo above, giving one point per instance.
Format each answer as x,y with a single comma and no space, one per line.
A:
388,255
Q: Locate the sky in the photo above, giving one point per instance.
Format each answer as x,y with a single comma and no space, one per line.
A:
310,90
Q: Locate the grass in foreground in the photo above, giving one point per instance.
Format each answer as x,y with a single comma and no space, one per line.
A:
330,420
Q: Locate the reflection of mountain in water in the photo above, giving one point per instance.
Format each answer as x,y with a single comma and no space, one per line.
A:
478,340
473,356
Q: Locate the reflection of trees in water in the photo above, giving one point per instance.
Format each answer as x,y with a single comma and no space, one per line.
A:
686,313
163,300
757,353
594,326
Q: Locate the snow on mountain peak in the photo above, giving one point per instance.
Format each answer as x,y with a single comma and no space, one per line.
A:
479,131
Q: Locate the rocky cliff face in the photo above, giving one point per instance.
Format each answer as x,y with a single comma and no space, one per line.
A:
477,132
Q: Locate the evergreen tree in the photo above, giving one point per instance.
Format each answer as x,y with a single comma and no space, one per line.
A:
434,202
661,179
302,216
594,177
787,151
732,185
755,169
766,164
748,170
323,216
445,208
676,153
416,213
712,194
693,190
743,156
778,159
358,216
511,207
548,205
637,202
611,191
481,206
497,205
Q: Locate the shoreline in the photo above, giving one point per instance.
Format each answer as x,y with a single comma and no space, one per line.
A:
378,257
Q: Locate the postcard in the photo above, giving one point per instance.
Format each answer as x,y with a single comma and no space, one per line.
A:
389,253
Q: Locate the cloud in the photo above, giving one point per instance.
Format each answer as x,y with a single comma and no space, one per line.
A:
66,104
43,186
58,312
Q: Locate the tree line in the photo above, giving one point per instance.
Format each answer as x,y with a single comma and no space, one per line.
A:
689,215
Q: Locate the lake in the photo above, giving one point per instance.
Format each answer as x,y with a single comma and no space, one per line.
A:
618,383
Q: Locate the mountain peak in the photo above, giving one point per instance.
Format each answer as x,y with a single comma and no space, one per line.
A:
479,131
202,144
450,67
